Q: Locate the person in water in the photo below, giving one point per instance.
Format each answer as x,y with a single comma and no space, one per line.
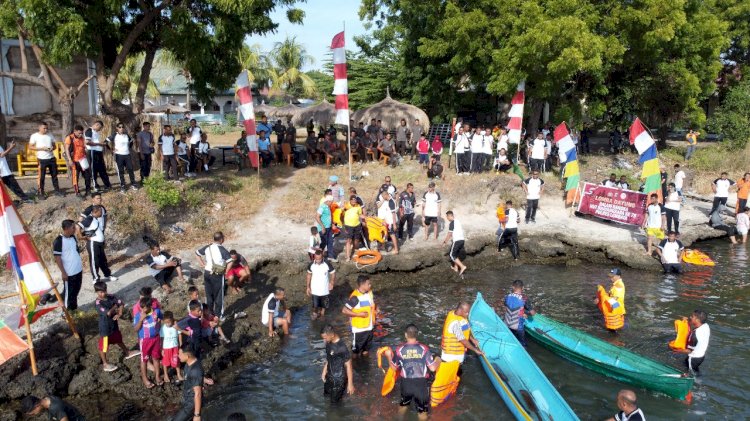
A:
337,370
628,406
612,304
517,306
361,309
414,362
697,342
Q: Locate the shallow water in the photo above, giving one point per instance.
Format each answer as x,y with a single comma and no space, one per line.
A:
289,386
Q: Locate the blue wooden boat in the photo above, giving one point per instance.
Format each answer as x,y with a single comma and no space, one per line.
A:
526,391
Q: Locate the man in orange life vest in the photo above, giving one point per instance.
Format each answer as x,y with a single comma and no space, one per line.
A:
75,156
361,309
612,304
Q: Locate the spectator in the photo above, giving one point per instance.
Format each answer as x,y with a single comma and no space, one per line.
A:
145,292
162,266
477,151
332,150
679,181
664,178
57,409
195,133
623,183
96,200
238,271
654,223
214,258
275,314
145,148
402,136
109,308
387,212
75,156
166,150
457,253
204,157
670,251
210,328
721,187
743,223
264,148
417,133
423,148
406,204
43,145
68,260
7,176
436,145
95,149
502,163
611,182
692,143
352,218
325,221
487,147
502,140
435,168
337,191
537,153
91,228
321,276
743,190
191,325
533,187
311,145
313,242
171,343
370,148
461,148
120,143
184,156
672,208
146,322
430,210
385,146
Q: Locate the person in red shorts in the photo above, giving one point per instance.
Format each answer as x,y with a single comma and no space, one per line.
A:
109,308
238,272
170,346
147,324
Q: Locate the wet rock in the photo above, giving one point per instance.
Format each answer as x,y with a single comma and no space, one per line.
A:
549,247
573,262
84,383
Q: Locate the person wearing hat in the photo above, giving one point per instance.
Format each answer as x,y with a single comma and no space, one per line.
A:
612,304
56,408
337,191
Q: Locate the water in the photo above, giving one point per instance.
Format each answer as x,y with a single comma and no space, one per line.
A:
289,387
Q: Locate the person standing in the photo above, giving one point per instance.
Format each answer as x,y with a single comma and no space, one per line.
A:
95,149
96,200
615,299
664,177
654,223
487,148
510,230
91,229
352,219
406,204
460,149
533,187
121,143
387,212
147,323
68,260
324,220
629,411
192,386
195,132
57,409
337,376
679,180
672,204
477,151
417,132
585,134
743,223
743,190
431,205
697,342
166,150
145,149
321,276
360,308
721,187
670,250
402,137
214,258
537,153
43,145
75,156
456,253
517,307
7,176
414,361
692,143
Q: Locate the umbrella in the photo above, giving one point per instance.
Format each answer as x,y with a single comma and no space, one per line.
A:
323,113
391,112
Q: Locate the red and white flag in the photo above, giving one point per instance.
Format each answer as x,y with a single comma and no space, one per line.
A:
245,97
515,125
340,84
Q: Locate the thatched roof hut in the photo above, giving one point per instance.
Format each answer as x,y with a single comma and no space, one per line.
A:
391,112
263,109
323,113
282,113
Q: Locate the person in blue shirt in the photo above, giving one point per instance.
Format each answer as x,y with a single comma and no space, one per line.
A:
264,148
517,308
263,126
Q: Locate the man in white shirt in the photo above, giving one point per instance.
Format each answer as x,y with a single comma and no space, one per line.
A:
679,180
166,149
214,258
7,176
487,147
92,230
68,260
321,277
537,153
43,144
611,182
502,142
509,230
120,143
460,148
387,212
457,253
477,151
431,204
533,187
654,222
95,148
697,342
721,187
670,250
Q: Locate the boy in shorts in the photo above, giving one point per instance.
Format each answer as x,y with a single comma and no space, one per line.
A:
109,308
238,272
320,279
170,346
313,242
654,223
146,322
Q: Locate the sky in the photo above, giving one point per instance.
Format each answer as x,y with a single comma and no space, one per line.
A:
323,20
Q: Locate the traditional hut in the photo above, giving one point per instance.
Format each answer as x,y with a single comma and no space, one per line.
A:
282,113
263,109
391,112
323,114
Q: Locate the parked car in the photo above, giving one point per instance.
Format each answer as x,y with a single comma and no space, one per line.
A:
209,119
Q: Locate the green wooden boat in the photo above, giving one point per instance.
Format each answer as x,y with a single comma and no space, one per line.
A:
607,359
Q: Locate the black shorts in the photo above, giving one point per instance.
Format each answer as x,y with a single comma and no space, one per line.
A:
164,276
352,233
361,341
417,391
320,301
429,220
457,250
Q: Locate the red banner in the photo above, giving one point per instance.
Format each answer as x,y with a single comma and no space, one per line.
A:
612,204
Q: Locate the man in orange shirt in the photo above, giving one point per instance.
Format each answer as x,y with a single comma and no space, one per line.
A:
75,156
743,190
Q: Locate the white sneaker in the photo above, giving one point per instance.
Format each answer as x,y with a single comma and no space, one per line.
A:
110,368
112,278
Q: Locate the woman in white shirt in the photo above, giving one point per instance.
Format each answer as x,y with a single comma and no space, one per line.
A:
502,163
672,208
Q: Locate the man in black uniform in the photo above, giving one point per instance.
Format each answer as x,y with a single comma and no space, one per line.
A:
57,409
192,387
214,259
337,371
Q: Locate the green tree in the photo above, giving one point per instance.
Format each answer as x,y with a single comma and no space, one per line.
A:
126,86
323,82
256,63
288,58
732,118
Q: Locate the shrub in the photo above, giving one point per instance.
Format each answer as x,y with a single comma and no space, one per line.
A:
163,193
732,118
230,119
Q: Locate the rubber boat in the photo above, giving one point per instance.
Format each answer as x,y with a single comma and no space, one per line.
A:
526,391
607,359
697,257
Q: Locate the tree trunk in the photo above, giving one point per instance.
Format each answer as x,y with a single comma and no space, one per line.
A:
536,114
662,134
3,134
67,114
140,93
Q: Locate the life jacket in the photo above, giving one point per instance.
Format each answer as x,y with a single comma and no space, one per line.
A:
513,317
613,312
366,303
450,344
682,329
618,293
376,229
501,214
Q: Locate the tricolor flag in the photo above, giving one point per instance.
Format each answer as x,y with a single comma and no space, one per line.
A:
646,148
568,155
10,344
340,84
515,125
245,97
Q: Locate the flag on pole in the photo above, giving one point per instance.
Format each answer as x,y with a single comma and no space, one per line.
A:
515,125
245,96
568,155
10,344
340,84
646,147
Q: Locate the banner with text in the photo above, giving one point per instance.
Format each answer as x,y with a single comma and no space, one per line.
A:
612,204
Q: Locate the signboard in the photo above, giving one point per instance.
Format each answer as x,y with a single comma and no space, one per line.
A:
613,204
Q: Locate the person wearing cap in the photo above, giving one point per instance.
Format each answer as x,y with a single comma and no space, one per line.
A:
324,220
337,191
612,304
56,408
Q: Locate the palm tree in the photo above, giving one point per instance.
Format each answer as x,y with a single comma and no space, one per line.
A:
167,58
288,58
126,84
257,64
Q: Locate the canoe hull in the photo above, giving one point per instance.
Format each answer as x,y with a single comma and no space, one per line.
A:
607,359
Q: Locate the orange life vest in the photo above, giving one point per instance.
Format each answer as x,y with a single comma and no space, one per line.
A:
450,343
